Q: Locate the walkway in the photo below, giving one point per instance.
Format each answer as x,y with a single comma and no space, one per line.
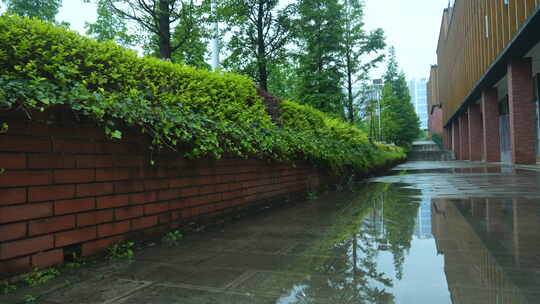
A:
434,232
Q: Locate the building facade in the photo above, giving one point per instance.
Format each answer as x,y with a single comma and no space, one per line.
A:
434,107
418,92
487,80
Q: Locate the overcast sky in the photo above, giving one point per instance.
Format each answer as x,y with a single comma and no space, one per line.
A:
412,26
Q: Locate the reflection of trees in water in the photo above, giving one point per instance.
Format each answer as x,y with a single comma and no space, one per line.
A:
379,218
399,221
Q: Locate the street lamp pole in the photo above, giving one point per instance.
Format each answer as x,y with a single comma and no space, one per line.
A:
215,39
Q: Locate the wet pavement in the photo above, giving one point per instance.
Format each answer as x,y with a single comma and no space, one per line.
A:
433,232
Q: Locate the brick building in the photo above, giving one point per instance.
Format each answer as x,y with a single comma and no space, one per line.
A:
434,110
487,80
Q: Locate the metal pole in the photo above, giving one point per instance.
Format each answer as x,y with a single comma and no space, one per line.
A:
380,130
215,40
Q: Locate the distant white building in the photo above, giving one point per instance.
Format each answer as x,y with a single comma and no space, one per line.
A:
418,92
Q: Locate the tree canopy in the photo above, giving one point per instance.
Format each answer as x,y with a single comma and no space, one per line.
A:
260,34
401,125
320,41
45,10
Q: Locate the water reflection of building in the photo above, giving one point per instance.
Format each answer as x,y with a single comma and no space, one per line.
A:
422,229
491,249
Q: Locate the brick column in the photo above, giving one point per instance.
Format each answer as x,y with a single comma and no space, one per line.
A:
522,111
475,132
448,132
455,138
490,121
464,136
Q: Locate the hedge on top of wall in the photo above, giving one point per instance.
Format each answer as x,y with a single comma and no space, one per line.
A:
198,112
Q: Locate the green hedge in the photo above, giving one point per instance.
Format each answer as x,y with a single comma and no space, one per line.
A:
201,113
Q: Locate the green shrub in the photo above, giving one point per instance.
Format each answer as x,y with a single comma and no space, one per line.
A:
437,139
197,112
40,276
6,288
122,251
172,238
333,143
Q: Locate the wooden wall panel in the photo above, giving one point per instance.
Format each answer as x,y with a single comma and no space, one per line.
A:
472,43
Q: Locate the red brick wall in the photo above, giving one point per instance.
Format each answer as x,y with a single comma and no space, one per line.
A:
68,186
435,121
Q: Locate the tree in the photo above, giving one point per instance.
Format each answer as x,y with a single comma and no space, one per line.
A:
260,33
320,40
392,69
190,35
400,122
109,26
283,78
156,17
357,45
401,125
45,10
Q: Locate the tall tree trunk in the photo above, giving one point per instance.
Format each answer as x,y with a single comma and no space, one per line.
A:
261,49
163,16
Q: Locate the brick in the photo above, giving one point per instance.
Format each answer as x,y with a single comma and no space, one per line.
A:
522,111
51,225
475,132
230,195
115,148
177,204
128,212
187,192
142,198
25,178
156,208
13,161
491,137
456,139
50,161
114,174
143,222
94,161
128,186
48,258
207,189
24,144
94,218
464,136
48,193
74,236
128,161
96,189
168,194
180,182
156,184
74,176
114,228
73,146
14,266
74,206
222,188
12,231
25,212
164,218
94,247
112,201
12,196
25,247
